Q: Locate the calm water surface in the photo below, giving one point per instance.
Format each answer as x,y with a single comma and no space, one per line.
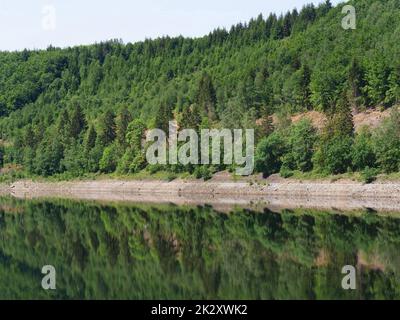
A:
128,251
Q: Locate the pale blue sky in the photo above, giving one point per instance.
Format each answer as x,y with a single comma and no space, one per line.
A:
88,21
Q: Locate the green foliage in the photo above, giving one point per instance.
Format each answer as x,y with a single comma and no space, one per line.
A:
369,175
300,141
135,134
109,160
334,154
48,158
387,143
269,153
206,97
202,172
77,122
363,152
107,128
54,101
123,119
90,140
285,172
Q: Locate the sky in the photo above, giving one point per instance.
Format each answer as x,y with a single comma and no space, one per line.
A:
36,24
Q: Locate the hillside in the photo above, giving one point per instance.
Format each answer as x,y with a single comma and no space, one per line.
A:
67,111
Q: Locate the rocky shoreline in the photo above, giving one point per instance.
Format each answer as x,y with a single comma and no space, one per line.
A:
279,193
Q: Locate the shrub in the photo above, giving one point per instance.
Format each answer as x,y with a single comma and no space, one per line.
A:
369,174
301,139
108,162
269,153
285,172
334,154
363,154
386,141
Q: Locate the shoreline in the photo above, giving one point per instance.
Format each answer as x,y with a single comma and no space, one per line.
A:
221,192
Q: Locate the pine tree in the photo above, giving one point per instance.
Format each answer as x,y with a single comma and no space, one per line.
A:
90,140
123,119
206,97
29,137
356,81
191,117
63,125
78,121
340,120
163,117
107,128
304,86
344,123
287,24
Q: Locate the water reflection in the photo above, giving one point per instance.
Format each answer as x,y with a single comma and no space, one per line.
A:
125,251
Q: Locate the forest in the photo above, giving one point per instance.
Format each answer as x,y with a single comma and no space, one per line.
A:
84,110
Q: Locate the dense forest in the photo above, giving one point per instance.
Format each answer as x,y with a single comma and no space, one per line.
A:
121,251
85,109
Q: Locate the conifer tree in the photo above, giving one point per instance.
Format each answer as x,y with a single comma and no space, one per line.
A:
304,86
206,97
163,117
123,119
77,122
91,137
107,128
63,125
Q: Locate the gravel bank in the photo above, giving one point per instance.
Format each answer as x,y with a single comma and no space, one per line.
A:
279,193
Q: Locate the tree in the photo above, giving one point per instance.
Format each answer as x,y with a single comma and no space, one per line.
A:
301,140
77,122
387,143
205,97
303,87
163,117
263,96
341,122
393,93
90,140
333,155
109,160
377,84
107,128
287,25
1,156
48,158
29,136
63,125
363,153
136,134
334,151
269,153
356,81
190,118
123,119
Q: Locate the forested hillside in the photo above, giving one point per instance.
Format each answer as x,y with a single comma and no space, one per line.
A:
84,109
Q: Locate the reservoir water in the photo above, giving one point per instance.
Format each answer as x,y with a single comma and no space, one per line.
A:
139,251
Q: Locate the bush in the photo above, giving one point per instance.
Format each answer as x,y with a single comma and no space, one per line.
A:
363,154
386,143
334,154
269,153
286,172
108,162
202,172
301,139
369,174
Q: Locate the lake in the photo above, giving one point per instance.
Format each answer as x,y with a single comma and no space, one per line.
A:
139,251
